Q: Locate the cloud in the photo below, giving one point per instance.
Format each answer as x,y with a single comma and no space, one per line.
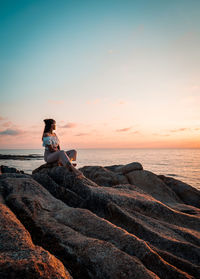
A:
135,132
123,130
121,102
11,132
69,125
160,135
56,102
82,134
179,130
7,124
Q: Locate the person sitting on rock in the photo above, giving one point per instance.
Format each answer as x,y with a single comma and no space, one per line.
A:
52,148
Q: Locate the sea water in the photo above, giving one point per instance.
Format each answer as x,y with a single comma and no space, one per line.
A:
182,164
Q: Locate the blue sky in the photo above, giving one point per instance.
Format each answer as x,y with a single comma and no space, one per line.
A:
104,65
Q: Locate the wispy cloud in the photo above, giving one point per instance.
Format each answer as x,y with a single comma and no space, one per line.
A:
69,125
82,134
135,132
179,130
160,135
119,103
11,132
123,130
7,124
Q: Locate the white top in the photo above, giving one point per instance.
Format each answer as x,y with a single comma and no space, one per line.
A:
50,140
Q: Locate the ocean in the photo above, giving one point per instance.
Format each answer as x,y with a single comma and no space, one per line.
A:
182,164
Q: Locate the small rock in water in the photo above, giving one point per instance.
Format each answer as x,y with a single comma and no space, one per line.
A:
6,169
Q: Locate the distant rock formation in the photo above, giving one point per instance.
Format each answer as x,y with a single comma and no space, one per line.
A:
21,157
116,222
6,169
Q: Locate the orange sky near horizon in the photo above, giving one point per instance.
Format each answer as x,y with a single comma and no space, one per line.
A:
77,135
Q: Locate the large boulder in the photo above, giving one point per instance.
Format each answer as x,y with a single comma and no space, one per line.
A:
185,192
129,167
110,175
153,185
45,166
6,169
103,176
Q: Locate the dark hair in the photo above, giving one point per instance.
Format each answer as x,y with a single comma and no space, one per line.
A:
47,127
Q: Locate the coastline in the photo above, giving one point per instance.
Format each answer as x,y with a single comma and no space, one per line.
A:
121,216
183,164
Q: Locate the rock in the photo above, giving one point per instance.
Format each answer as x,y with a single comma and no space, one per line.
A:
6,169
153,185
103,176
129,167
62,193
140,215
185,192
117,231
19,257
52,223
45,166
110,175
20,157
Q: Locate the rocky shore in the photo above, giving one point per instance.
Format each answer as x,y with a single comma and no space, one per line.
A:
21,157
118,221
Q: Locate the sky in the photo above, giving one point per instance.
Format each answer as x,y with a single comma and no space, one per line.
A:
112,73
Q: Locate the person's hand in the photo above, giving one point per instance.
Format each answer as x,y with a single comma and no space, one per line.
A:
54,149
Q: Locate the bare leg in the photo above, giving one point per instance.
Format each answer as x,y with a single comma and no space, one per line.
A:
66,162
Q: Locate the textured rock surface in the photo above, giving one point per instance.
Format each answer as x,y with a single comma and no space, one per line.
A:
129,167
116,230
103,176
19,257
5,169
46,166
185,192
153,185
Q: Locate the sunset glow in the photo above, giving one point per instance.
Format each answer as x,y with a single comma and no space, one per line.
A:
113,74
